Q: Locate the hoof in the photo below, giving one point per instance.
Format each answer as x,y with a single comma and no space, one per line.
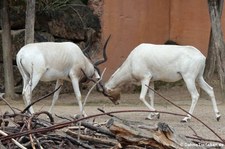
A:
153,116
218,118
185,120
158,115
78,116
150,118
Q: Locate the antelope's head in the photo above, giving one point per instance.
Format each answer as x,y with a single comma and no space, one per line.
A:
112,94
93,67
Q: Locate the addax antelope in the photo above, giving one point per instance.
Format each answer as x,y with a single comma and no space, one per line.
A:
49,61
148,63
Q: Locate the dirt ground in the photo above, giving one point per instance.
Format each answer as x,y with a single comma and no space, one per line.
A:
67,106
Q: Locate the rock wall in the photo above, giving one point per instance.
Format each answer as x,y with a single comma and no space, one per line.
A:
70,20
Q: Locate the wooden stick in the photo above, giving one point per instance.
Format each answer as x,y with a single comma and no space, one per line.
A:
97,129
14,141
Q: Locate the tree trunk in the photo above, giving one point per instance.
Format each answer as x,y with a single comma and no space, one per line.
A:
7,52
211,57
217,36
30,21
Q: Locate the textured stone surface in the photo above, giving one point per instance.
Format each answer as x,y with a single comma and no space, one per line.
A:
55,21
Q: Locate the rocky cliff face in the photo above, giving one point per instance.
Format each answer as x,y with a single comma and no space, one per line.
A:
56,20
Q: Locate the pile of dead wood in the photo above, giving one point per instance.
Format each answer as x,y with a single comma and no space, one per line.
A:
19,129
22,130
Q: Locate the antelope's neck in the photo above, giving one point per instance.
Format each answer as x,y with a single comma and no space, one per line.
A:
120,77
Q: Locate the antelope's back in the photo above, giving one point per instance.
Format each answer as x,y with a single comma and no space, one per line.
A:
52,56
166,52
165,62
52,52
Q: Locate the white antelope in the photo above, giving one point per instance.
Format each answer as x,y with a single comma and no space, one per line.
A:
148,63
49,61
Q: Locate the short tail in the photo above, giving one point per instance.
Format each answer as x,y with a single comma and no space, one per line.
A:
23,72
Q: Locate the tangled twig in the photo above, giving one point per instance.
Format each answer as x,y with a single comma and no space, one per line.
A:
40,99
1,96
66,124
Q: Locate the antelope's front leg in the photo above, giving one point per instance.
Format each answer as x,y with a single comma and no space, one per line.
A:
144,90
56,94
75,83
152,115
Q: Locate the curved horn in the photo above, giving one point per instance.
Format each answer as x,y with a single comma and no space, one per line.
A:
104,54
87,48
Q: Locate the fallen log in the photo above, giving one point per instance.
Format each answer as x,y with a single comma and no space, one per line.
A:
161,136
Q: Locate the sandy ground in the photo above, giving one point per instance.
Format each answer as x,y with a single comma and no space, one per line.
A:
67,106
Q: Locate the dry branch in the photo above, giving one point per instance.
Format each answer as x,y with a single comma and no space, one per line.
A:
128,133
16,142
97,129
40,99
